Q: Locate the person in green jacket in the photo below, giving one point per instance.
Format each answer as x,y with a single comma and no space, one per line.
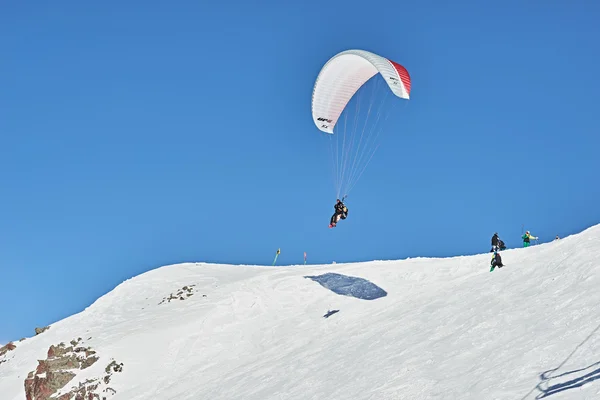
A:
527,238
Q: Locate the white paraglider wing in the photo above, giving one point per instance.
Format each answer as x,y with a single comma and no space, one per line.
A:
342,76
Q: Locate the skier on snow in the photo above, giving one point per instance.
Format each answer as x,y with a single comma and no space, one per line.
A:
526,238
496,261
341,212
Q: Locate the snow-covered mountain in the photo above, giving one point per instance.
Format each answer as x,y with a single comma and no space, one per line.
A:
419,328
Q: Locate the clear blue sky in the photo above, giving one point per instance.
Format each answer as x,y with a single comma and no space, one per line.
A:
143,134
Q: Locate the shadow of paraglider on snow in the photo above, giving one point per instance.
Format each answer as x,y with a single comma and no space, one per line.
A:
349,286
574,379
553,384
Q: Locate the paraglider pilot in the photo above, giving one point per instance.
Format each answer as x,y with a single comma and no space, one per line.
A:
341,212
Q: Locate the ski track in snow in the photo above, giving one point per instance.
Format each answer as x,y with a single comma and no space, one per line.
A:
445,329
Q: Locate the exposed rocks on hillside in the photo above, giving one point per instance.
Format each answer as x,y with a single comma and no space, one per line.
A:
110,368
41,330
182,294
10,346
94,389
52,375
6,348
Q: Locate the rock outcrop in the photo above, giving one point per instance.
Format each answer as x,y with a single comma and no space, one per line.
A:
61,366
10,346
41,330
181,294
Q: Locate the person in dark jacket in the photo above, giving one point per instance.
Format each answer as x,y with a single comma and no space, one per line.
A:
496,261
497,243
341,212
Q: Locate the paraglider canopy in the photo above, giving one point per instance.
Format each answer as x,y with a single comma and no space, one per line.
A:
342,76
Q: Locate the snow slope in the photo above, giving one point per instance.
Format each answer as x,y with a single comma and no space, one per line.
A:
412,329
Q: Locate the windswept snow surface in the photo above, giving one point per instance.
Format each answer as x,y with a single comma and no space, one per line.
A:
412,329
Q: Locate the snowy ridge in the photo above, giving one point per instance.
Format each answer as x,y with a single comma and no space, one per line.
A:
421,328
